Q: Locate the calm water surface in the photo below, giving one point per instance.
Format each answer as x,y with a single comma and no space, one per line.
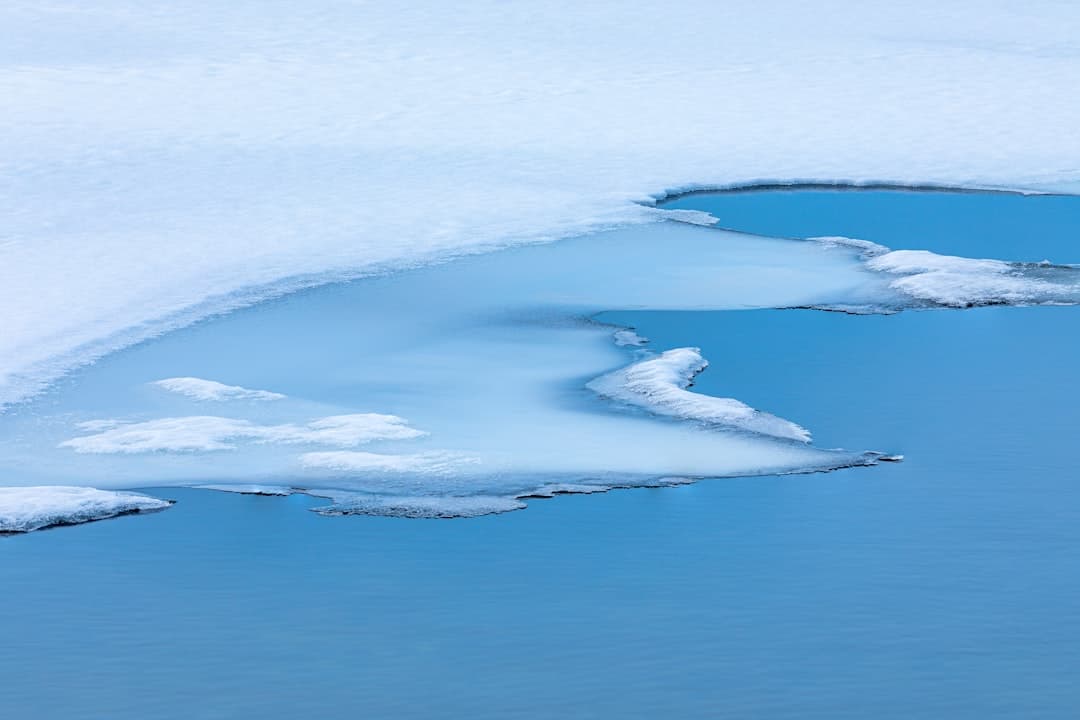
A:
944,587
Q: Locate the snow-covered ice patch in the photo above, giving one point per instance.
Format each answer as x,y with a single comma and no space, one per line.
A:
211,390
24,509
965,282
924,278
202,433
659,384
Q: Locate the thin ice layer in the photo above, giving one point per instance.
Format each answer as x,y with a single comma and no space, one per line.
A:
24,509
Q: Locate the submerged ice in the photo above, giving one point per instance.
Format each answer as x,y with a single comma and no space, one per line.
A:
470,387
921,278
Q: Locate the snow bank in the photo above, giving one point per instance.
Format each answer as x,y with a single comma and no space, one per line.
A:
24,509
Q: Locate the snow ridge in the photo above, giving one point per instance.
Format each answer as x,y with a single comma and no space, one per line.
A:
659,384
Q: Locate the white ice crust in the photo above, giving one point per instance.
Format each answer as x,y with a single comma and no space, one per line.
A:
927,278
211,390
24,509
201,433
163,161
658,384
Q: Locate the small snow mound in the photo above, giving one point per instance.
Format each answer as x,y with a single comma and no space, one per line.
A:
25,509
658,384
210,390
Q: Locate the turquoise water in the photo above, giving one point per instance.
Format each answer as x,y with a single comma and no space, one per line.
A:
940,587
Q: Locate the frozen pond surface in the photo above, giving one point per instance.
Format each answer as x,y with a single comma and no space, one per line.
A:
942,586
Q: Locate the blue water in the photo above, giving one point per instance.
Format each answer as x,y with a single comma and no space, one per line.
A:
1004,226
942,587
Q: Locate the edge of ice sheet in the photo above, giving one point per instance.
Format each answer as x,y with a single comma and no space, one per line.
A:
418,506
346,502
659,384
25,509
251,489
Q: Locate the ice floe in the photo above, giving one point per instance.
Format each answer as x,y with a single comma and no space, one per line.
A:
24,509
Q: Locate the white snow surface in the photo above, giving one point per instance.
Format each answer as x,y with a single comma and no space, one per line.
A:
159,162
211,390
24,509
658,384
201,433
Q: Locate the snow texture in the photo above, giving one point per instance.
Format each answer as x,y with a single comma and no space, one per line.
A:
24,509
